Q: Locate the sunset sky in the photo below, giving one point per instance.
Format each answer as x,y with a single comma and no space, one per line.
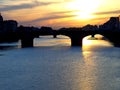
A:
59,13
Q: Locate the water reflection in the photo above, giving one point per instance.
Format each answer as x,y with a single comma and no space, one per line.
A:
61,67
50,41
8,46
90,73
89,78
94,43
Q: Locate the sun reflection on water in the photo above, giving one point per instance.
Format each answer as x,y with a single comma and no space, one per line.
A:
98,41
89,80
89,69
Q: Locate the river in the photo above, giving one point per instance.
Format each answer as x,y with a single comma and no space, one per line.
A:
52,64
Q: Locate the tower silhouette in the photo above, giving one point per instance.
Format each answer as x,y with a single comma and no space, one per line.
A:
1,18
1,22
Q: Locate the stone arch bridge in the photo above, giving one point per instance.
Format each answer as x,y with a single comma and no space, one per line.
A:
76,36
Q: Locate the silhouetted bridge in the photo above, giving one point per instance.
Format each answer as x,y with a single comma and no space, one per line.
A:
75,34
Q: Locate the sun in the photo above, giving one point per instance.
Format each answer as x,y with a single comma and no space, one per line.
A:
84,9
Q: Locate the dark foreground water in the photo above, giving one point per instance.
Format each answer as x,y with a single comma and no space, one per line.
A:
53,65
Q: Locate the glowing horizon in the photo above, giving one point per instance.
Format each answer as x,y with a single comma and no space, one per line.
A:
61,13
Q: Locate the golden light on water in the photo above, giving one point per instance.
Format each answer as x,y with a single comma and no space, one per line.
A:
88,82
87,42
94,42
90,79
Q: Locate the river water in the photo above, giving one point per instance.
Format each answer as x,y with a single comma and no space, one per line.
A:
54,65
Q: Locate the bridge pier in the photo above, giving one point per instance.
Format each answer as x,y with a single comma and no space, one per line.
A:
76,41
54,36
117,44
26,42
26,35
27,39
93,35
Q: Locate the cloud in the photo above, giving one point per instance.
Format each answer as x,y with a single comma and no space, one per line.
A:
64,12
35,3
54,15
108,12
50,18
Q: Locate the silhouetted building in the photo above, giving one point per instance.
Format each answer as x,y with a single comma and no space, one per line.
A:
1,22
1,18
113,23
119,21
89,28
46,30
8,25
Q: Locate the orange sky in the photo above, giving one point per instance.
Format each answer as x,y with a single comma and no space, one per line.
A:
59,13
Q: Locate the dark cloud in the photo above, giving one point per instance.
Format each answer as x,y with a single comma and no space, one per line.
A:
51,18
65,12
54,15
24,6
108,12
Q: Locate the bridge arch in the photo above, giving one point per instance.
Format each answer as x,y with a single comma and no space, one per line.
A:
98,40
77,36
111,35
